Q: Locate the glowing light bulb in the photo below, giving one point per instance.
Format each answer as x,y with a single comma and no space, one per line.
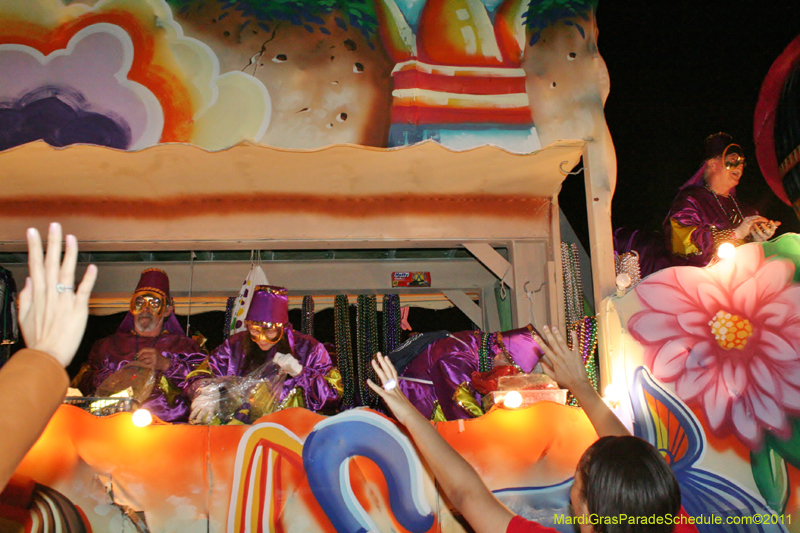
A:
512,400
613,392
623,281
141,418
726,250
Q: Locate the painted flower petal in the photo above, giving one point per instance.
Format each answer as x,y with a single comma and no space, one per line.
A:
789,396
713,298
703,355
716,401
744,424
773,278
735,378
762,374
745,297
670,360
695,322
767,411
692,383
654,292
774,313
654,327
776,347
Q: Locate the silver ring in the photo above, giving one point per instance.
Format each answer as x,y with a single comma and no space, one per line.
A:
64,288
389,385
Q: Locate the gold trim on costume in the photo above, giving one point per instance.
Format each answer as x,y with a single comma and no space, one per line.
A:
682,243
464,398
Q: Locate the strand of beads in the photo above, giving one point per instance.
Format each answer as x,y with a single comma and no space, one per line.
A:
485,359
587,342
573,289
307,320
367,346
391,322
344,349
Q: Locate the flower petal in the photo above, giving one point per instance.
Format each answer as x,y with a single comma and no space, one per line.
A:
658,289
654,327
767,411
789,396
773,278
762,374
713,298
735,378
745,297
670,360
716,401
693,382
774,313
776,347
695,322
744,424
705,354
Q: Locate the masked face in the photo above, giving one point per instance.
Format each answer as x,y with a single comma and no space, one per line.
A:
149,310
265,335
147,300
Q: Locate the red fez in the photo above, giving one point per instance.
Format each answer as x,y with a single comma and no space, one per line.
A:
154,280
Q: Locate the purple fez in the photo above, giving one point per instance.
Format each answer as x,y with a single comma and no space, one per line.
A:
270,305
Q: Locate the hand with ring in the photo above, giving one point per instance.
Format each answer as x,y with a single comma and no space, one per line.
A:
395,400
52,315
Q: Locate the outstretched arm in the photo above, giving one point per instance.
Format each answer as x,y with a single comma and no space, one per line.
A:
462,485
567,368
52,317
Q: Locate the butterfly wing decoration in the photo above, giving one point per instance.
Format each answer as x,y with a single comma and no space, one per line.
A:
666,422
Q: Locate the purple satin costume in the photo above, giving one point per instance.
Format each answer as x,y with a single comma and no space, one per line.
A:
228,360
115,351
694,207
450,361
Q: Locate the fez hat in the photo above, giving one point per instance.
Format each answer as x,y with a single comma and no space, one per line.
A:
154,280
270,305
721,144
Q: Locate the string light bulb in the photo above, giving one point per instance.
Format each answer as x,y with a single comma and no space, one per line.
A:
512,400
726,250
142,418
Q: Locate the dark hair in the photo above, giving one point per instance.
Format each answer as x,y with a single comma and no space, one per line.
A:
626,475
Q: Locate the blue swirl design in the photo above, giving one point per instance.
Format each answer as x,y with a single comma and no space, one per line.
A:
327,453
664,421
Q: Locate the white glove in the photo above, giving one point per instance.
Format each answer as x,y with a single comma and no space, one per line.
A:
205,405
762,232
288,364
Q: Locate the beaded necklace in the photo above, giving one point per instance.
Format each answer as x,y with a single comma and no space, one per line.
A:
485,360
391,322
573,288
587,341
307,320
736,217
367,344
344,349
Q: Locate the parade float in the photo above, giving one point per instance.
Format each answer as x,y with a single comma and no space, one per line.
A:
150,126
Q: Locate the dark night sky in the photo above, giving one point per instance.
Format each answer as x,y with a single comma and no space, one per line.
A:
678,74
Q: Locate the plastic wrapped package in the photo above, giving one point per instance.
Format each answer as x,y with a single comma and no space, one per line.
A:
531,381
134,377
234,399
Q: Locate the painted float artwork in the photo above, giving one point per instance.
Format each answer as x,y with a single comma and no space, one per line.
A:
130,74
715,354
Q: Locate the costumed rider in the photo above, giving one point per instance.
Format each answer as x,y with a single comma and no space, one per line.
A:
705,214
269,346
450,360
149,337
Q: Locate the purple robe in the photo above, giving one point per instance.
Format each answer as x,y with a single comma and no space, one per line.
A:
228,359
687,238
450,361
115,351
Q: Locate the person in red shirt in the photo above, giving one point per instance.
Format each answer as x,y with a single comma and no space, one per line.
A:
618,474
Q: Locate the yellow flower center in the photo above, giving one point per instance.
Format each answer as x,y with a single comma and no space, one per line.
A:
731,331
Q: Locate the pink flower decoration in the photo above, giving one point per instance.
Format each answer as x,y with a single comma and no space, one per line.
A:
728,336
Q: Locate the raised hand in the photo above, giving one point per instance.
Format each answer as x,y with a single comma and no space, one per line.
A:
52,313
395,400
743,230
763,231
